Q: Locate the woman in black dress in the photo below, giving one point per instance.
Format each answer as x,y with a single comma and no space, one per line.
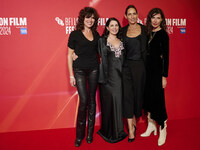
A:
111,51
135,44
157,73
84,43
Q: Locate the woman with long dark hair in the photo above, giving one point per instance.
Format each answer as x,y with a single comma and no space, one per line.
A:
157,73
111,51
135,44
84,70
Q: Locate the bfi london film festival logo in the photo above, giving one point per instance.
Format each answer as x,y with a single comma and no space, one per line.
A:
69,23
6,25
180,23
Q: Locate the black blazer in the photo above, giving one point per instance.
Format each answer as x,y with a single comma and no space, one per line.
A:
103,69
143,41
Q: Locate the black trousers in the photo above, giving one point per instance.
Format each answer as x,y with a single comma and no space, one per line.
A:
86,83
133,88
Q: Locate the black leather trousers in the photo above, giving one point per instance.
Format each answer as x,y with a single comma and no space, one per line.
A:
86,83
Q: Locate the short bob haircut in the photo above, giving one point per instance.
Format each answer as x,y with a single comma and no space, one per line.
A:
87,12
152,13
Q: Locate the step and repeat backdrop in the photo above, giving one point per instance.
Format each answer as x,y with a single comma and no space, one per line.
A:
35,93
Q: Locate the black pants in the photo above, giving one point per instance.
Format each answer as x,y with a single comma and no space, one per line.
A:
86,83
133,88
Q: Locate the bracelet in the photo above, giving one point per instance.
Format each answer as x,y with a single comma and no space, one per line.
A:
71,77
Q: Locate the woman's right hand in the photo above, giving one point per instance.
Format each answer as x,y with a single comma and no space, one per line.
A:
72,81
70,62
74,56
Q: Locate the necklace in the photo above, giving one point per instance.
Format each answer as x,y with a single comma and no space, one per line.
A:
151,37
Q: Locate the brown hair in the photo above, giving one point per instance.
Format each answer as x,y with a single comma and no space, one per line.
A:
87,12
152,13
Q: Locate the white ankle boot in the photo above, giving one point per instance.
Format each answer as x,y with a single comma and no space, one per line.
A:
150,128
163,134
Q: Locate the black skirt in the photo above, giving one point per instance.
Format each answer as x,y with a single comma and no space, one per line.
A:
154,93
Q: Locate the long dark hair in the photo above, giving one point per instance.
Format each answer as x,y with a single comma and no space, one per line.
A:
106,32
87,12
152,13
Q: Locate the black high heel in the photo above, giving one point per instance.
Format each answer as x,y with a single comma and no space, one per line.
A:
131,140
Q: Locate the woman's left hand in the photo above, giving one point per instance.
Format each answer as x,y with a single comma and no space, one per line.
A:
164,82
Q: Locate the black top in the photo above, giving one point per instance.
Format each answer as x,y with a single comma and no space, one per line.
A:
133,48
85,49
143,43
158,51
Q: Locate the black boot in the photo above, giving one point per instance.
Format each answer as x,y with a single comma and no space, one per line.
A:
91,121
78,142
80,126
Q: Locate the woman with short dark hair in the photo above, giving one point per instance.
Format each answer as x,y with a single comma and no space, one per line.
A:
111,51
